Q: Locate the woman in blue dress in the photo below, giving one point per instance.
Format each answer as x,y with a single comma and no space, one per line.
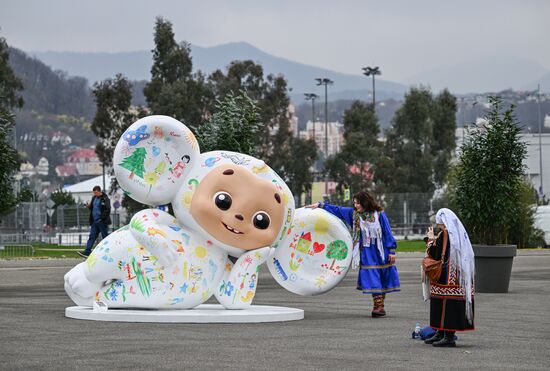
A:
373,247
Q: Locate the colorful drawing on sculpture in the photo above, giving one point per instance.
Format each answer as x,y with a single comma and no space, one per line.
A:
141,170
225,204
315,256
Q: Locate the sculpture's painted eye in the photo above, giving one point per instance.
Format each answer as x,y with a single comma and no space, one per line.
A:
261,220
223,200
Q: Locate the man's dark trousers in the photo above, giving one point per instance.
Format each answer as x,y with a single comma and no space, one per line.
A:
96,229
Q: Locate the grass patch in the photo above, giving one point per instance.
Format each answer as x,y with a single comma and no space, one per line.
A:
43,250
411,246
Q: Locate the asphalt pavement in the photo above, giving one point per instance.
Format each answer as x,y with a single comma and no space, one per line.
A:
512,330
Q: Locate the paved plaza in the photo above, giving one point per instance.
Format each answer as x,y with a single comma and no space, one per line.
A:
513,330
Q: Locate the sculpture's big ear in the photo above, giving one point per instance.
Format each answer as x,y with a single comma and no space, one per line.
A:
315,254
153,157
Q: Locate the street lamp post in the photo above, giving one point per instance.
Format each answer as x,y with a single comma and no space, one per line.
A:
372,71
312,97
103,171
325,81
541,190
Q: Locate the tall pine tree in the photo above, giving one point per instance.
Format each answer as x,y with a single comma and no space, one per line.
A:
270,95
419,144
353,166
174,90
233,127
444,139
290,157
10,86
113,115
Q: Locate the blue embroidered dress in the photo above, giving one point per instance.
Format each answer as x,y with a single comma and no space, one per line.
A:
376,275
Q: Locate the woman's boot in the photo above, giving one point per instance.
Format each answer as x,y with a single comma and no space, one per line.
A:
447,341
378,309
435,337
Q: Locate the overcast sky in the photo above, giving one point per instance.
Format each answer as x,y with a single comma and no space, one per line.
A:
403,37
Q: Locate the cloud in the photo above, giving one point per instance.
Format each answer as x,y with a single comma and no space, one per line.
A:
403,37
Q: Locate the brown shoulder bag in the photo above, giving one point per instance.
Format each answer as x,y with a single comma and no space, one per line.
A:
433,267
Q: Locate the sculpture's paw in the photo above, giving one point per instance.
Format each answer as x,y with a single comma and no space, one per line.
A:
258,256
239,287
78,287
158,232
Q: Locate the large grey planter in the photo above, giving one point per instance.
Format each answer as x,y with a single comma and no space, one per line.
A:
493,267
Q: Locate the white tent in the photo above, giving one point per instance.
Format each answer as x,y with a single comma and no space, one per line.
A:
82,192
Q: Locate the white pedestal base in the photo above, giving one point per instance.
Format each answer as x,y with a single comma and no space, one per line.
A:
204,313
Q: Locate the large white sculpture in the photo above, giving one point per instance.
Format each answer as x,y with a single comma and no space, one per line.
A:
225,204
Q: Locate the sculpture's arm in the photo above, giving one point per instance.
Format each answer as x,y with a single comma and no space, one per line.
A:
238,285
159,233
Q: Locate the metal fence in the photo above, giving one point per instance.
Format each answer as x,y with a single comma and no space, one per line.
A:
60,238
75,218
27,216
16,251
35,217
409,214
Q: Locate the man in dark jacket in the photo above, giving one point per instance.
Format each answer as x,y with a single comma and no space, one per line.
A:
100,218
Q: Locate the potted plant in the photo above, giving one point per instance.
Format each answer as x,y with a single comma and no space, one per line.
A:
487,196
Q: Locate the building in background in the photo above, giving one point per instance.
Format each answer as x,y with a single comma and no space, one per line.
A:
86,162
335,136
533,161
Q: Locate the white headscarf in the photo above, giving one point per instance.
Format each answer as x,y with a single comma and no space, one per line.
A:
462,254
373,231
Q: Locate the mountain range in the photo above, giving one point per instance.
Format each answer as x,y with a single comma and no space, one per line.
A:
482,74
301,78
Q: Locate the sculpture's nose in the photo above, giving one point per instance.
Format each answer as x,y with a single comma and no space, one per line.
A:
239,216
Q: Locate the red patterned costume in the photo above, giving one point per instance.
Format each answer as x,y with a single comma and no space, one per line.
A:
447,299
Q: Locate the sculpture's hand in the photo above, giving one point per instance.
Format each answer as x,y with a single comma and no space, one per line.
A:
158,231
238,286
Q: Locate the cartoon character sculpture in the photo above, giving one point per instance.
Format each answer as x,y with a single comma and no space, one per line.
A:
225,204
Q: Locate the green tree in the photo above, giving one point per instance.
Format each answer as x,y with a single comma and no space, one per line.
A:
270,95
241,75
174,90
27,195
61,197
10,86
351,167
233,127
408,156
489,177
113,115
298,176
290,157
419,145
444,128
523,232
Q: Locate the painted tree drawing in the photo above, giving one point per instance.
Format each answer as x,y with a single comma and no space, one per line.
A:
134,162
337,250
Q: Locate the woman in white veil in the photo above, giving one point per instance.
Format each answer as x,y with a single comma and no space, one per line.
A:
452,295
